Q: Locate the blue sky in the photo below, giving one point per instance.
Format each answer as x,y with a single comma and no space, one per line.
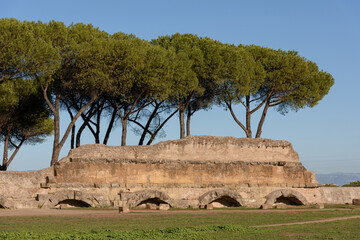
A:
327,137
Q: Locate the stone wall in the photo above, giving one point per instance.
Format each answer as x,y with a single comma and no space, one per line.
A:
183,174
191,172
202,161
340,195
21,188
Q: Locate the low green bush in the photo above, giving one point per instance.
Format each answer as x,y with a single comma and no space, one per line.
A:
352,184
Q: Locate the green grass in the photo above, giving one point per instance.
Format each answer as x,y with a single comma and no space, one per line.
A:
215,225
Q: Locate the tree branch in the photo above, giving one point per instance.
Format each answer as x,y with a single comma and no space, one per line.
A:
235,118
75,118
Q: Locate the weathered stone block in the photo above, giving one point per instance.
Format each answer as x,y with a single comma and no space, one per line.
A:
164,207
42,197
64,205
193,206
281,206
50,179
151,206
44,185
319,205
124,209
266,206
356,202
209,206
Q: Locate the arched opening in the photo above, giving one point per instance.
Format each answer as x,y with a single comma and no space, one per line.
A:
72,203
285,197
147,197
151,202
288,201
221,198
1,206
224,202
71,198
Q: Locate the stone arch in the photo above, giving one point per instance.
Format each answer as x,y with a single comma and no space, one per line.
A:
5,203
151,196
74,198
286,196
224,196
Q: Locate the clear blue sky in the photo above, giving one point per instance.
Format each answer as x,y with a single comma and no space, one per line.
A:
327,137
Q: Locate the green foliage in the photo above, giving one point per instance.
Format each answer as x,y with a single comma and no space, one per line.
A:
352,184
272,78
186,47
182,72
22,107
292,81
25,48
24,117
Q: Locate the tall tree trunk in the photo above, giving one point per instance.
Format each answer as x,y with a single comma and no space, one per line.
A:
146,128
248,118
56,147
111,124
97,133
78,135
182,123
72,144
57,143
123,132
262,119
100,108
235,118
6,149
188,119
182,108
55,154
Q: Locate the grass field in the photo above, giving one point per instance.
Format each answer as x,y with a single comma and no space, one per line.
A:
184,224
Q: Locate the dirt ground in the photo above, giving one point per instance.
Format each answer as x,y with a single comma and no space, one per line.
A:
114,212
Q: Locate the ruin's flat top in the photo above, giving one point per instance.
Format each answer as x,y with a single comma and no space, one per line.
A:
195,148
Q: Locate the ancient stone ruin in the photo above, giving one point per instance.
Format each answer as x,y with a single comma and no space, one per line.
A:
195,172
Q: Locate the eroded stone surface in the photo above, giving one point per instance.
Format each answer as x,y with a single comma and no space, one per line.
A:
200,161
124,209
192,172
209,206
164,207
356,202
193,148
319,205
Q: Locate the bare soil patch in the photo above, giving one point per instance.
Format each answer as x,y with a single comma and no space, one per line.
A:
114,213
313,221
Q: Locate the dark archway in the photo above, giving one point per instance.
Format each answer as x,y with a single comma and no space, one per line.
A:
72,198
148,196
73,203
156,201
288,201
222,198
285,196
226,201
